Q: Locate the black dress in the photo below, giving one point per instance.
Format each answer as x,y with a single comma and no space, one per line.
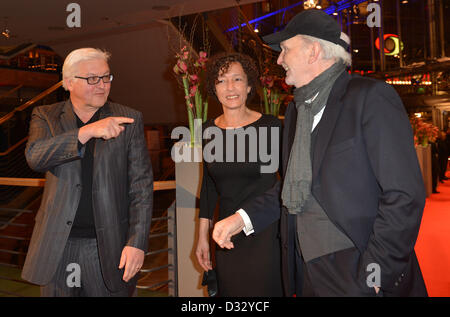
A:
253,266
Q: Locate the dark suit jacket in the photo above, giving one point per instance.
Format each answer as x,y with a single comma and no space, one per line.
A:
367,179
122,190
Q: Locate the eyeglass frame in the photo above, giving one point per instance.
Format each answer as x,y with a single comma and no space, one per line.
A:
102,78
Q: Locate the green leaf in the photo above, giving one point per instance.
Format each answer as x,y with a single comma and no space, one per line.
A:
205,111
266,101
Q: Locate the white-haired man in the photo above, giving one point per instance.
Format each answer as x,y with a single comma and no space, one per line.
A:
352,192
91,231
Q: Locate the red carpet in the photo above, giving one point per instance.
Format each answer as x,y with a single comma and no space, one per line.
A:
433,243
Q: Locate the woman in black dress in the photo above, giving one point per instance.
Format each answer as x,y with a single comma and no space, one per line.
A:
248,263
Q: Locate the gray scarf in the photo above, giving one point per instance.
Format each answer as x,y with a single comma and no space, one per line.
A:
309,101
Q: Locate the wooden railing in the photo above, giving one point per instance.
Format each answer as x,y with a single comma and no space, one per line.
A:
15,146
40,182
30,102
6,94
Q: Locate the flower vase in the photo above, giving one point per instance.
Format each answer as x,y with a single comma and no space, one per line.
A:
188,178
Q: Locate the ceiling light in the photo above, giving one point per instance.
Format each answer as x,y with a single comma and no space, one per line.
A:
310,4
6,33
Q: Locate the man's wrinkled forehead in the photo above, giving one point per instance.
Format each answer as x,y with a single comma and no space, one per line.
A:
291,42
93,67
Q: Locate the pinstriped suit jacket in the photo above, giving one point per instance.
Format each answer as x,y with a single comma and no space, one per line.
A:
122,190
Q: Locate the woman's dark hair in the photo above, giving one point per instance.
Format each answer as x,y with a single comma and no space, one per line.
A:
220,63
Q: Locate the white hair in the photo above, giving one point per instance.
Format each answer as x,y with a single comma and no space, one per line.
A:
79,55
331,50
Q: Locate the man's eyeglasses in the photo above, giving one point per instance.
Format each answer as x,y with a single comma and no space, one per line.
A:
94,80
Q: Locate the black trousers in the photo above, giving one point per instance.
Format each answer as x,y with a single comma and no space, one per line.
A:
334,275
443,161
80,263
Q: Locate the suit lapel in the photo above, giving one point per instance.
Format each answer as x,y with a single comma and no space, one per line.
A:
328,121
68,119
68,123
105,112
326,126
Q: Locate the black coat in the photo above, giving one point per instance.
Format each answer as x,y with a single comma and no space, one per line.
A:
443,150
367,178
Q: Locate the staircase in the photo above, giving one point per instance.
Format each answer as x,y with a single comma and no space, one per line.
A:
14,128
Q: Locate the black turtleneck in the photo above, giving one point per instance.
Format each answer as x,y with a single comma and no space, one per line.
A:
83,225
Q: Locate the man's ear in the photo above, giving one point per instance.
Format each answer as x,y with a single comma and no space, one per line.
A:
249,89
68,83
314,53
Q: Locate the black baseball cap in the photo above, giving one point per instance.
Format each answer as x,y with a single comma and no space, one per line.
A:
310,22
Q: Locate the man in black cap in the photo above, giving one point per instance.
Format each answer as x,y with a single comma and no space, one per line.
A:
352,193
